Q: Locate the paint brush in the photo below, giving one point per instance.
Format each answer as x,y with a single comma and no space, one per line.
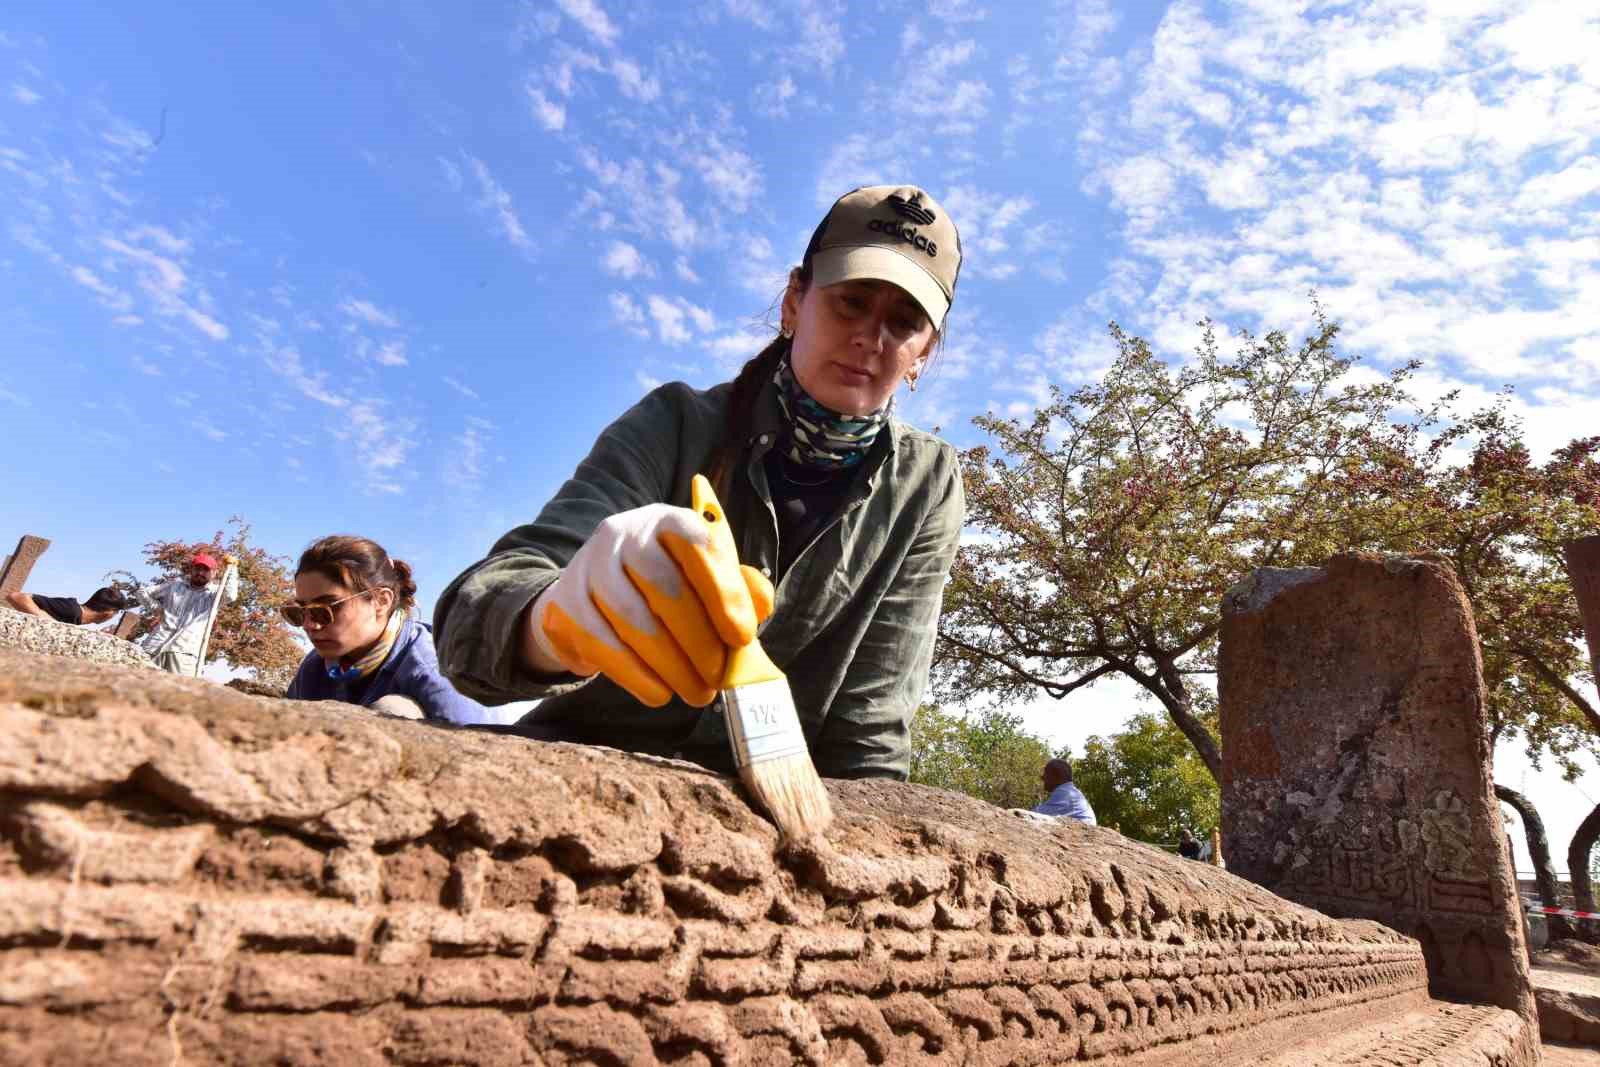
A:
769,748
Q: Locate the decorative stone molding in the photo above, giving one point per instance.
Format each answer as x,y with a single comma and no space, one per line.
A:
190,874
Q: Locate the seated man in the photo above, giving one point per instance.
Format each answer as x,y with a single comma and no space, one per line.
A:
101,605
1065,799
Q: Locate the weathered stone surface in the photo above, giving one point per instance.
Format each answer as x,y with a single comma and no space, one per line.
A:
324,885
34,634
1566,986
14,573
126,626
1356,774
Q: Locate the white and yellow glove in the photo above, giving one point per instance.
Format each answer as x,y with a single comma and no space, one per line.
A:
653,600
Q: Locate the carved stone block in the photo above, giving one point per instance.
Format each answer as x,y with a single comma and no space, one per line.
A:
1356,762
18,565
324,885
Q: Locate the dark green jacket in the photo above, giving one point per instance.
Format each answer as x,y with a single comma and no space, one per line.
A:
853,626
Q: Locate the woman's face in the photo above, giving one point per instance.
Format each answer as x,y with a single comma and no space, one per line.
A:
855,341
357,623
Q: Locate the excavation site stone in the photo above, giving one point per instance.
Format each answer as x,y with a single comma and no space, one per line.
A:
189,874
1356,763
35,634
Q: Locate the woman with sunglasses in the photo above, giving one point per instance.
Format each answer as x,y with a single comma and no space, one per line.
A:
358,608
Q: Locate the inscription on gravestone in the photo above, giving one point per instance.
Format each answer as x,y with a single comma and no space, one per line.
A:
1356,774
18,565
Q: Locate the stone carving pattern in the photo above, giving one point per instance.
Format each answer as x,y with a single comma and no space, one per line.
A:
311,885
1427,864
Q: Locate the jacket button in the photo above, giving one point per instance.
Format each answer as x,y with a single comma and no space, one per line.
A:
764,438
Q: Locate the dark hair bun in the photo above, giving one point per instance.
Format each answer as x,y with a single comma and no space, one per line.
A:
407,584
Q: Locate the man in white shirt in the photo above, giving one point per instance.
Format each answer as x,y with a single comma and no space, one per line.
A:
183,608
1065,799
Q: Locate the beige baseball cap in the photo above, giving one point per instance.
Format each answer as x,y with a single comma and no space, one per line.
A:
891,233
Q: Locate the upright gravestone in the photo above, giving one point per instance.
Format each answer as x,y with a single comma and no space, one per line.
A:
1356,762
18,565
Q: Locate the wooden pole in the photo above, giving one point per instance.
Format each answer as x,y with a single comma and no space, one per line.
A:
1216,847
211,620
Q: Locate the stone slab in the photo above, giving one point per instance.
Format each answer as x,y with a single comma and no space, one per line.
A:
35,634
18,565
1356,774
193,873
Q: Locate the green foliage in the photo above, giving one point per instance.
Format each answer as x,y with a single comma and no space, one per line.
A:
248,632
1148,781
1502,520
1118,515
988,756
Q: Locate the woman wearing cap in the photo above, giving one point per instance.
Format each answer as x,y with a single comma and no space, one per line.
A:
359,610
853,514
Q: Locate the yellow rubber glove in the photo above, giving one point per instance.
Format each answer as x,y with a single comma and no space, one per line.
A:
653,600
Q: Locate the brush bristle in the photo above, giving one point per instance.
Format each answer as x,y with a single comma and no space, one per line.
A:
792,793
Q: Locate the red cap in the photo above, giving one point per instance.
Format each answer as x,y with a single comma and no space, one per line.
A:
204,559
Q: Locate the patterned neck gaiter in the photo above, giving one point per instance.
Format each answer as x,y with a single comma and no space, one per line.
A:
820,437
375,656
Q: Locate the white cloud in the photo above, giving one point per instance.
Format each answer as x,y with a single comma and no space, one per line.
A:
957,11
623,260
1560,188
163,279
113,298
563,74
677,319
821,41
646,195
392,354
549,114
369,313
382,442
465,390
669,320
632,82
464,469
731,175
204,427
497,200
625,311
24,95
771,99
1437,200
686,273
986,221
592,17
452,174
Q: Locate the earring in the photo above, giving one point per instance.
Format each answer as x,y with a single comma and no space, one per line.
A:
787,332
911,382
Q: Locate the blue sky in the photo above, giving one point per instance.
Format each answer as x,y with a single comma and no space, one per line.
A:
389,268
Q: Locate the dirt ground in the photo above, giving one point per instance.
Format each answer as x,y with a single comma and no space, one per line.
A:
1570,1055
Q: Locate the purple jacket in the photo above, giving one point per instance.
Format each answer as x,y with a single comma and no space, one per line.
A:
411,670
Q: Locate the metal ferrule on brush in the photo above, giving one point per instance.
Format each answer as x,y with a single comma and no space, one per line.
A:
762,722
